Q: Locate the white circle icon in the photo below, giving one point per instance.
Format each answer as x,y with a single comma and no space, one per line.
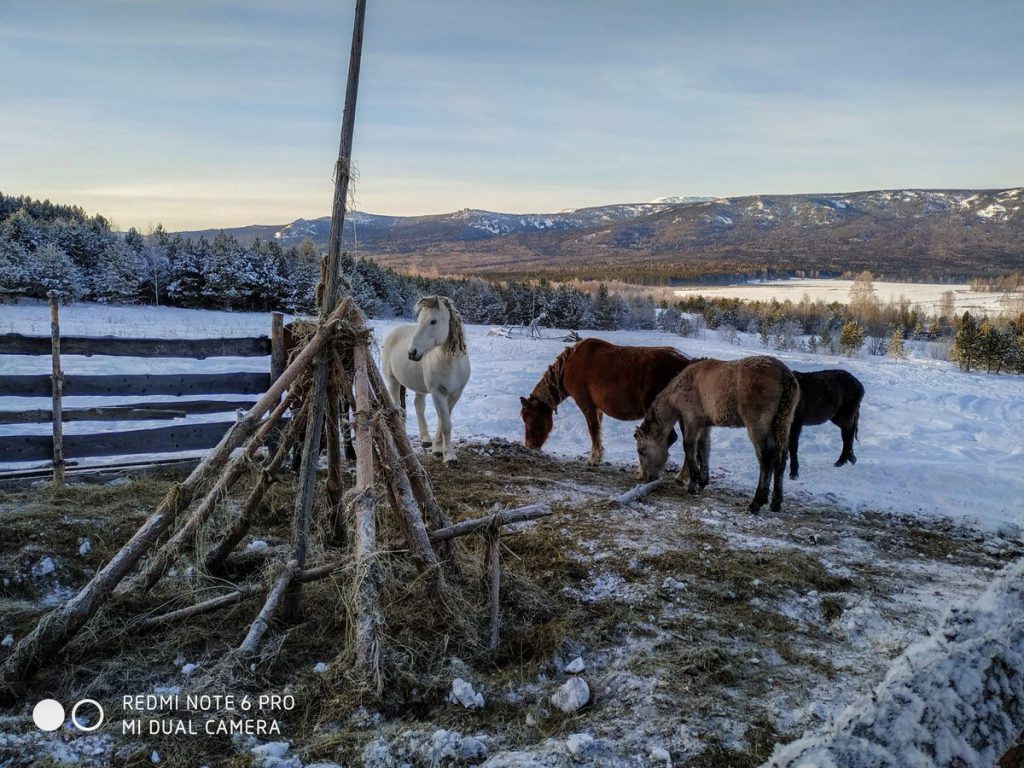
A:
48,715
74,715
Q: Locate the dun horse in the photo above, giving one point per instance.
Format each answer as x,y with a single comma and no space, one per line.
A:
602,378
834,396
429,358
759,393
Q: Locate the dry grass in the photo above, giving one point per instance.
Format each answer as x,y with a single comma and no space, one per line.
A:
693,646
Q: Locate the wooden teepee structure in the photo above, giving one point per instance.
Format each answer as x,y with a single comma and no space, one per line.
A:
330,385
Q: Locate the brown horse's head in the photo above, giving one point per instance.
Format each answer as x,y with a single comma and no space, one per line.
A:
538,418
652,447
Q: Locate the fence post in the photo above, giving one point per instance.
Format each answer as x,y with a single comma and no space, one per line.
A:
277,361
58,390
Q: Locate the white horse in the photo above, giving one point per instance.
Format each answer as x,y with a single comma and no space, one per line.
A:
429,358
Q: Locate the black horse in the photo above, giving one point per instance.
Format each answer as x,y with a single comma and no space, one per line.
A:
834,396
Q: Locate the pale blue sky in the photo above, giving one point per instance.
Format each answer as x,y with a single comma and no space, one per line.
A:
226,112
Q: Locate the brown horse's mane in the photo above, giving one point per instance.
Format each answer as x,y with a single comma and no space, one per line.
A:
550,390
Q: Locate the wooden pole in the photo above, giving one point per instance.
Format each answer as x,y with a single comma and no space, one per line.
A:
262,622
315,423
368,578
404,504
494,569
335,457
56,628
531,512
58,390
277,361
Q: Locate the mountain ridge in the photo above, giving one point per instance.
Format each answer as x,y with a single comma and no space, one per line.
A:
952,232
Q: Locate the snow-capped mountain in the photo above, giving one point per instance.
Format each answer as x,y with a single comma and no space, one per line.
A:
897,232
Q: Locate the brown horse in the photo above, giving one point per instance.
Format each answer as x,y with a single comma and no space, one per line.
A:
759,393
602,378
834,396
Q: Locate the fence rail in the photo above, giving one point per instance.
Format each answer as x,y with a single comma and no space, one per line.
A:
139,385
186,437
172,439
199,349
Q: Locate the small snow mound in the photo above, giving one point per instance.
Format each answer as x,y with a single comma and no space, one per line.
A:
579,743
463,693
85,548
258,546
320,668
673,585
154,757
575,666
43,568
660,756
8,641
572,695
272,755
188,669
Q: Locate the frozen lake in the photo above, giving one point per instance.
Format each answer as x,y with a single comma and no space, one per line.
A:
924,296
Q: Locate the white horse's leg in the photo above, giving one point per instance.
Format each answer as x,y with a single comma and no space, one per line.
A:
443,441
421,417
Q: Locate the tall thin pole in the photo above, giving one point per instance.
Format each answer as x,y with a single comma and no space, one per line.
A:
315,424
58,391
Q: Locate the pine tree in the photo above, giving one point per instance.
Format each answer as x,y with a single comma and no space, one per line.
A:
604,310
851,337
895,350
965,343
119,277
51,269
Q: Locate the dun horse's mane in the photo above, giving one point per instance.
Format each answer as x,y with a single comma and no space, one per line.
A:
455,344
550,390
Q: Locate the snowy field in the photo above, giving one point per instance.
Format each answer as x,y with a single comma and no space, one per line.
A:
926,297
934,441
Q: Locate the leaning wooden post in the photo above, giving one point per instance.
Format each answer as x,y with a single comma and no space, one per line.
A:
315,423
368,581
58,390
493,563
405,508
335,457
56,628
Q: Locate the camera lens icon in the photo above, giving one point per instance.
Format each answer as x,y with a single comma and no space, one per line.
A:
48,715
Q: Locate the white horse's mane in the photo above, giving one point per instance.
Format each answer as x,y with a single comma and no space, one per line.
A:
456,341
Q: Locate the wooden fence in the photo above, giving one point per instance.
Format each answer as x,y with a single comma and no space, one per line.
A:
58,448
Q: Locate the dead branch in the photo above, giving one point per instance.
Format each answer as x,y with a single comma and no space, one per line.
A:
633,494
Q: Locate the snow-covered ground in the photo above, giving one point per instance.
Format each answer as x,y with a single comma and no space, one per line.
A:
934,441
926,297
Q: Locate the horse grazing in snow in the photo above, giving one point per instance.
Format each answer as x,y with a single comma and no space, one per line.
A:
602,378
429,358
834,396
759,393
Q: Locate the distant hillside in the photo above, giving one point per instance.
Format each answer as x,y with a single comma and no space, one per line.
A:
936,234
